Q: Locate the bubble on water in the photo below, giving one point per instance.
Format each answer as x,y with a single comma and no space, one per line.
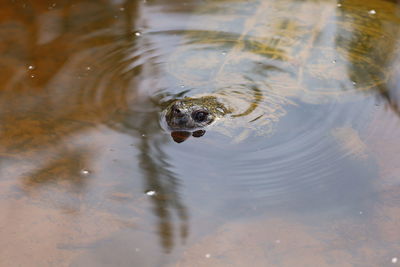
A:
137,249
85,172
150,193
223,53
354,83
32,76
394,260
182,86
138,33
208,255
334,61
121,9
88,68
339,5
31,67
372,12
277,241
361,212
143,135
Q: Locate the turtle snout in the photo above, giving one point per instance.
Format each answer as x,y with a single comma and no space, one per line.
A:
182,120
179,116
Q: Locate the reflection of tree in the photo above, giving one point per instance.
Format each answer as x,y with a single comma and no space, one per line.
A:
85,69
165,184
157,174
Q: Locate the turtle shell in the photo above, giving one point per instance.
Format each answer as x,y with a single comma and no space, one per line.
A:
262,56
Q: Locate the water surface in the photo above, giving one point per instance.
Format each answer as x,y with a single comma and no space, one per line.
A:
307,175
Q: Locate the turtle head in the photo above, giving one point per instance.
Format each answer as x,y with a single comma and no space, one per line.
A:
185,115
192,115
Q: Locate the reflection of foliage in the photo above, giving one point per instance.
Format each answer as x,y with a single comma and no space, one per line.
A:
58,103
61,169
85,65
363,38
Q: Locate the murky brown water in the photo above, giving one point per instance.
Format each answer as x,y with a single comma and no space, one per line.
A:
305,173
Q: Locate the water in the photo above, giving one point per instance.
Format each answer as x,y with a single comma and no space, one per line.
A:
303,172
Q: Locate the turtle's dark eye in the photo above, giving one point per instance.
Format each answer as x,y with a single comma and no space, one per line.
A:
200,116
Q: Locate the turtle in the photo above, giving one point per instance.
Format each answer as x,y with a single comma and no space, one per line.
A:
243,63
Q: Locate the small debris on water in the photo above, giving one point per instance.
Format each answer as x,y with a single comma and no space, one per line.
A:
372,12
32,76
334,61
143,135
223,53
394,260
182,86
31,67
121,9
151,193
361,212
138,33
208,256
137,249
354,83
88,68
277,241
339,5
85,172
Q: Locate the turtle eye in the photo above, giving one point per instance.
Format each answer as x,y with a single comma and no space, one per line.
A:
200,116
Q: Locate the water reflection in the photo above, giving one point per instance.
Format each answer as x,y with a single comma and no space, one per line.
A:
159,181
69,69
338,55
85,163
375,38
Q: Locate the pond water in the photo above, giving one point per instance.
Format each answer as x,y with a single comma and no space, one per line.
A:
304,170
